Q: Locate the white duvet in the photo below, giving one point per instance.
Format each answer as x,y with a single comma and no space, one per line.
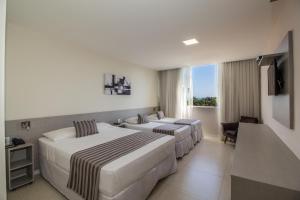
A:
179,134
166,120
116,175
196,126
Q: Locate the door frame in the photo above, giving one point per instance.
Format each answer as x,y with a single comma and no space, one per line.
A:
2,100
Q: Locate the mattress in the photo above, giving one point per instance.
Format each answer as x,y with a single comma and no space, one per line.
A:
118,174
180,134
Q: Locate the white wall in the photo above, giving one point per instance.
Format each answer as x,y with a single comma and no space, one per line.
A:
46,76
209,118
286,16
2,55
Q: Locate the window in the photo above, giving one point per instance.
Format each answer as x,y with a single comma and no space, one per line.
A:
205,85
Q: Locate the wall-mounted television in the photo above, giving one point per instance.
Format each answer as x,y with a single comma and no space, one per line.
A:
282,71
281,80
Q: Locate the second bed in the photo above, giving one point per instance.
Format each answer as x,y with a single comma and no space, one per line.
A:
183,139
196,125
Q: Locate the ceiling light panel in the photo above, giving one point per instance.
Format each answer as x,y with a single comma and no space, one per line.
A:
190,42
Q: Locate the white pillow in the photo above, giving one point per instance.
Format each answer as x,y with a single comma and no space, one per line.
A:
153,117
132,120
61,134
102,125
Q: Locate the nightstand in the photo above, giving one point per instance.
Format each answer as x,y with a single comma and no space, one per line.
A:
19,165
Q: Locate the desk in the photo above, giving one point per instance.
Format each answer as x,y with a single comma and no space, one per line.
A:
263,167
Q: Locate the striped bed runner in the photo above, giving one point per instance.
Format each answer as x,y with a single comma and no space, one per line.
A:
168,129
85,165
186,121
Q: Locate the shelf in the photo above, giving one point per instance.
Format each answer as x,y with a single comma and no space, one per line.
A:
20,147
18,182
19,164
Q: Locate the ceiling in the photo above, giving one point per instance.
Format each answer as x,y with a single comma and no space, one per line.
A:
150,32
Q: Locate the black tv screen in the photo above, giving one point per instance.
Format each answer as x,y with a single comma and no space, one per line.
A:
276,76
272,73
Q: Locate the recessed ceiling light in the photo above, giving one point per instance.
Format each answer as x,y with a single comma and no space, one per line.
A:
190,42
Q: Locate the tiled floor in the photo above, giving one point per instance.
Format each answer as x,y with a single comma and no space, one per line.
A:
202,175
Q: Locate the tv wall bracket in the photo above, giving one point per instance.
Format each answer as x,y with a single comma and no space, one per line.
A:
266,60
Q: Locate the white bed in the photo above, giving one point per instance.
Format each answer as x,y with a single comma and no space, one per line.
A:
131,177
196,126
183,138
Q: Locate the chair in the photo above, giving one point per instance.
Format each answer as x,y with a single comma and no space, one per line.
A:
230,130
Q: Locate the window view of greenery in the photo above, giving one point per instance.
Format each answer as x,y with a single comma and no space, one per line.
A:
205,85
206,101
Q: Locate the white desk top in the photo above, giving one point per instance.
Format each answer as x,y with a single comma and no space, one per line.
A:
261,156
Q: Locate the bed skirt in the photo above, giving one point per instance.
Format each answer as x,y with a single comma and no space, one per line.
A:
184,146
138,190
197,131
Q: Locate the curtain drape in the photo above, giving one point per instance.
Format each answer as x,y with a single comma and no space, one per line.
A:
176,96
168,91
239,90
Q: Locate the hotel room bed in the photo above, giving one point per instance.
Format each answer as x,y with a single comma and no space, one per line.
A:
196,126
183,139
132,176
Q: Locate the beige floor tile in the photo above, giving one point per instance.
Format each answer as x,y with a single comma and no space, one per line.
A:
198,184
40,189
209,157
225,193
173,193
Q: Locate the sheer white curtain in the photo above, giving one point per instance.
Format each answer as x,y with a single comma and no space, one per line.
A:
176,93
185,93
239,90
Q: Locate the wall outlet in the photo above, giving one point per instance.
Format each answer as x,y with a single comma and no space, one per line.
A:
26,125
